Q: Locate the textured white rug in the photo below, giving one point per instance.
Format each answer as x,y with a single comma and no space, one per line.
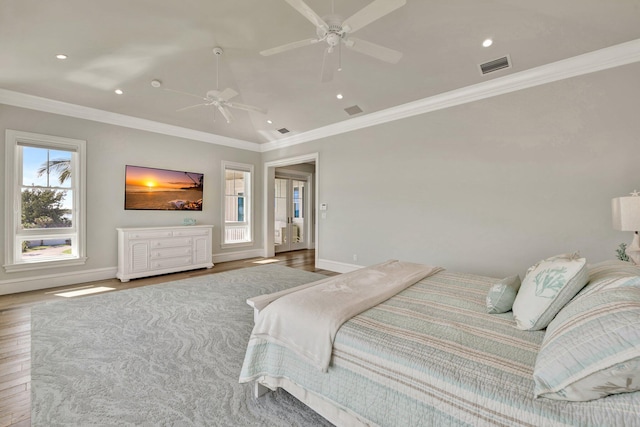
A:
167,355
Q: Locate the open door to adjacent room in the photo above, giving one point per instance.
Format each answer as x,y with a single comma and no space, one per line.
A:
290,214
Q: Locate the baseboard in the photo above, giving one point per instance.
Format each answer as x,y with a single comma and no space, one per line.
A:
65,279
338,267
55,280
234,256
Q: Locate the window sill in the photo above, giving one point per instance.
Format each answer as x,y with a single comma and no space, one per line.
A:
42,265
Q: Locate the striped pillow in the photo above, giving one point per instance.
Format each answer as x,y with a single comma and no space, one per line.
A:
547,287
612,267
592,348
609,282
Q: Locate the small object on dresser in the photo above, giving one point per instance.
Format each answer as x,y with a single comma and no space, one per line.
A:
188,221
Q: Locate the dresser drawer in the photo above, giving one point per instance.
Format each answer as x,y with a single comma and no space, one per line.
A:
149,234
160,264
193,232
171,252
171,243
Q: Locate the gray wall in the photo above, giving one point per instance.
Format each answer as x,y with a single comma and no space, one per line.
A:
488,187
109,149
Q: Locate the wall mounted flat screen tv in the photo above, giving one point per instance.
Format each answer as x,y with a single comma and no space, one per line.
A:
162,189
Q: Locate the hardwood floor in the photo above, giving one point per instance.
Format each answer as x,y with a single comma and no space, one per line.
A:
15,327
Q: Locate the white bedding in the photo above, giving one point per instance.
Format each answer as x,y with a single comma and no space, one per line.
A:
307,321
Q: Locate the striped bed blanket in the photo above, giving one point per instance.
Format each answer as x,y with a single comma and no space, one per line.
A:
431,355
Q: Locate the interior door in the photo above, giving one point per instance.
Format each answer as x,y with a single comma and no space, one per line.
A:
290,212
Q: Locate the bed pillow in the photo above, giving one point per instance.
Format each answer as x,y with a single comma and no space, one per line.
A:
546,288
502,295
611,268
592,348
608,282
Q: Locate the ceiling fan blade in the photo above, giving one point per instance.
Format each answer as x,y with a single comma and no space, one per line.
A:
371,12
246,107
227,94
193,106
308,13
379,52
185,93
288,46
225,113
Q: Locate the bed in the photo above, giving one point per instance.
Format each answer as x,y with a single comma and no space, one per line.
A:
432,355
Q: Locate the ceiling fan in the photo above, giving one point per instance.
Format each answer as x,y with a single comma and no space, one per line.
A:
215,98
336,32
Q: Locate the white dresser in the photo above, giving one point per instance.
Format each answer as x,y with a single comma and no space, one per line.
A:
151,251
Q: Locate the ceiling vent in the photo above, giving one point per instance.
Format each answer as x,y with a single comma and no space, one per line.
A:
283,130
495,65
354,109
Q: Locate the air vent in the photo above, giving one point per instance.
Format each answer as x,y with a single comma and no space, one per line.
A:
495,65
283,130
353,110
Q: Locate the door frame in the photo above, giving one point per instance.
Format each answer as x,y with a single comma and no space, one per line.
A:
269,194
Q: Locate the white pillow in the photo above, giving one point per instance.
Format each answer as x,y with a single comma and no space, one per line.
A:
547,287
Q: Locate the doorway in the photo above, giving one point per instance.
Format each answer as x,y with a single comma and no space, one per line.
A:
290,204
310,229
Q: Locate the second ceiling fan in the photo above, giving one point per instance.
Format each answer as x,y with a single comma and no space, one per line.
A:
216,98
336,32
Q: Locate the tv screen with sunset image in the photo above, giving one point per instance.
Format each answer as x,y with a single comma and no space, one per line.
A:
162,189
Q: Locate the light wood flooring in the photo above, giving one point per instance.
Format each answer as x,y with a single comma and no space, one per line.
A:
15,328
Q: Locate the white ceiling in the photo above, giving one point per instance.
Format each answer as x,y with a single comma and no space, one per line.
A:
127,43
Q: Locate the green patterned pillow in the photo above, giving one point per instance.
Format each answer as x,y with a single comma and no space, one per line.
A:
592,348
502,295
547,287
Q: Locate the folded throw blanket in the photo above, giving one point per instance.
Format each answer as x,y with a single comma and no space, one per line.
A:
307,321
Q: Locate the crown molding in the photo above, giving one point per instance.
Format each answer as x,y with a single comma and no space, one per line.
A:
32,102
610,57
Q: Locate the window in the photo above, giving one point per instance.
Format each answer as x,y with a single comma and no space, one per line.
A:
237,203
45,201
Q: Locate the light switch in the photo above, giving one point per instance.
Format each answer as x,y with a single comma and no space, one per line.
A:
323,206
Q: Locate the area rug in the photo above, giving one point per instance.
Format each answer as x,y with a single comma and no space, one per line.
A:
161,355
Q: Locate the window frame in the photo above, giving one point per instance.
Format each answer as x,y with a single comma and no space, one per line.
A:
248,203
13,201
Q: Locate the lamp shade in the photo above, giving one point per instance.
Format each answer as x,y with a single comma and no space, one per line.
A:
626,213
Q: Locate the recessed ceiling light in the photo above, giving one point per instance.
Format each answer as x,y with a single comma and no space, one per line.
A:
270,121
61,56
119,91
339,96
487,43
